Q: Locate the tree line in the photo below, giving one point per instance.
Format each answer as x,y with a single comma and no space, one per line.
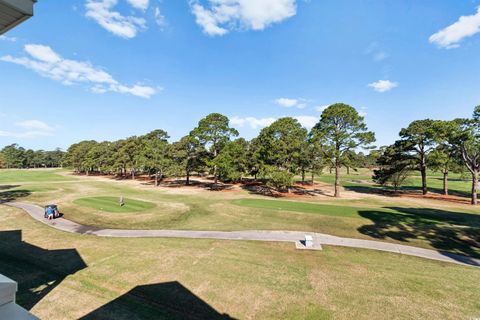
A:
280,151
444,146
14,156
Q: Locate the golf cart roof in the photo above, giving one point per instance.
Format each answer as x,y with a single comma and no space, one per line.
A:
51,205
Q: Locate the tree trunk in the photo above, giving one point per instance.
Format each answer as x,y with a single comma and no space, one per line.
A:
474,187
348,170
445,182
330,170
156,179
423,171
188,178
303,176
215,166
337,180
133,174
313,178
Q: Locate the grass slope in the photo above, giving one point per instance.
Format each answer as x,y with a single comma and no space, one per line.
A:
68,276
110,204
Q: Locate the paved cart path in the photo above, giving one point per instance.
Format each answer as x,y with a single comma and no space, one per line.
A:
63,224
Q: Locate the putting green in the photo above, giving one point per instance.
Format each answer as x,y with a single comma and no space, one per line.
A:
110,204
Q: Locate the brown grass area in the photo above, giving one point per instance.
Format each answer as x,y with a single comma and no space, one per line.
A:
247,280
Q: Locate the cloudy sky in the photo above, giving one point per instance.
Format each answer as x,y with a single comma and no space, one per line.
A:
107,69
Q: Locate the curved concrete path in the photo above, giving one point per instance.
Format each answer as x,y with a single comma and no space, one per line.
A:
37,213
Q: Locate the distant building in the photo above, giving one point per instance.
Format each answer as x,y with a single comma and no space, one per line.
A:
14,12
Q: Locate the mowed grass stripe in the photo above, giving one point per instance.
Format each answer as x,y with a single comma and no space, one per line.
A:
110,204
305,207
31,175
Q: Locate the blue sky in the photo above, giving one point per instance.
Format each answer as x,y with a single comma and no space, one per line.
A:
106,69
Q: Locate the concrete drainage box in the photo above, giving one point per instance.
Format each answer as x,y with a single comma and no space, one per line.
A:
308,244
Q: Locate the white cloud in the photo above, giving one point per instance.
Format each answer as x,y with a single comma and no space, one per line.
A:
42,53
223,16
159,17
5,38
307,121
207,20
48,63
362,112
34,129
288,102
451,36
112,21
252,122
383,85
34,125
259,123
139,4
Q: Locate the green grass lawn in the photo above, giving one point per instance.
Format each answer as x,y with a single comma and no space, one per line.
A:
92,202
457,232
295,206
70,276
111,204
31,175
361,181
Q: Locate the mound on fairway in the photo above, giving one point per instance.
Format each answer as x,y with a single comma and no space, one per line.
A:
110,204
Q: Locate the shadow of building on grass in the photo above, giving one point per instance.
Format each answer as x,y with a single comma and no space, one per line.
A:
451,233
169,300
37,271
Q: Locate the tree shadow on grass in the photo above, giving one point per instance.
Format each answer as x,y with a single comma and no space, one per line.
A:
389,191
38,271
300,189
262,190
12,195
179,183
169,300
8,186
259,188
447,231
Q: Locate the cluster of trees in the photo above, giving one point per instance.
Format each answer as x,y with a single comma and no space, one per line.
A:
443,146
14,156
280,151
276,155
